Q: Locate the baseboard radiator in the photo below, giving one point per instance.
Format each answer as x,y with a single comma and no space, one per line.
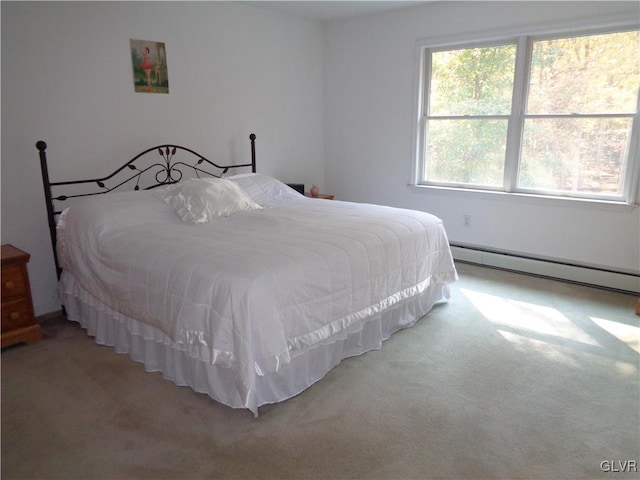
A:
581,274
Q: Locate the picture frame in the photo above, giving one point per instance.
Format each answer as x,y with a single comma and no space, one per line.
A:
149,62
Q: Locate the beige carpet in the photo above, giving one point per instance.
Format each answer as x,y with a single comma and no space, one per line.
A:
516,377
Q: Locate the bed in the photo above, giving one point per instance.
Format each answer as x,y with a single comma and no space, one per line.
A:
232,283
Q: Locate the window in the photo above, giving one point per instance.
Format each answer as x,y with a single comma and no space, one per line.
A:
549,116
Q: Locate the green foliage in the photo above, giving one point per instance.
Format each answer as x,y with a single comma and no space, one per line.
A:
473,81
467,151
588,75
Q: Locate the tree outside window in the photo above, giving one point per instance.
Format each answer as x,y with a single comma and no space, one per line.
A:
560,125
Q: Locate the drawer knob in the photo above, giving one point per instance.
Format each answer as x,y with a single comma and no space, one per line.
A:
9,284
15,315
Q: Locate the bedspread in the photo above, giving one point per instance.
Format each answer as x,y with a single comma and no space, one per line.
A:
256,287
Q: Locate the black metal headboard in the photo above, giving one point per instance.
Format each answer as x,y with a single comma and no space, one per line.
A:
144,171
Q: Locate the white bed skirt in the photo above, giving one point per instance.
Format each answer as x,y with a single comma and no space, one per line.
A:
185,366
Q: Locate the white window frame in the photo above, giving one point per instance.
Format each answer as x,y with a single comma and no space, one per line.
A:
524,42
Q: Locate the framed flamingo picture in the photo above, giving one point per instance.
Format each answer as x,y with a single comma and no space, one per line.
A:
149,61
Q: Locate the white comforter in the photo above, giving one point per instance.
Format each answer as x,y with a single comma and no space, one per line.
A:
255,288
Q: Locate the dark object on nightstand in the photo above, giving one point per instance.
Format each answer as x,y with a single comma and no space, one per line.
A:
18,321
298,187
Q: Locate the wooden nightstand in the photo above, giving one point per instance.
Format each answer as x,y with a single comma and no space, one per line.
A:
320,195
18,321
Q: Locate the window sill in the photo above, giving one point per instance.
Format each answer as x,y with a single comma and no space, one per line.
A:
526,198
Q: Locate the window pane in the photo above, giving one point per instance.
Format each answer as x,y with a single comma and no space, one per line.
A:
472,81
466,151
594,74
579,155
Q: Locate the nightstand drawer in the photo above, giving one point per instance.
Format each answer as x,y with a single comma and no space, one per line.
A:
13,284
18,321
15,314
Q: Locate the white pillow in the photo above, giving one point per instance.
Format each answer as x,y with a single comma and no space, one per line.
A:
264,189
200,200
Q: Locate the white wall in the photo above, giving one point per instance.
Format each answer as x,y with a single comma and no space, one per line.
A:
371,84
67,79
335,100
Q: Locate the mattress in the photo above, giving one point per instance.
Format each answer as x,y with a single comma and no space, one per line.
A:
252,307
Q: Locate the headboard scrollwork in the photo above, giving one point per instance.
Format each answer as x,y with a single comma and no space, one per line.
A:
144,171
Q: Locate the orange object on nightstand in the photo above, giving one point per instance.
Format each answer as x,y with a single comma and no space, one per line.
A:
320,195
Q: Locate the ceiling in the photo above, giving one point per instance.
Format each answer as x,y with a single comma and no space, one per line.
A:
328,10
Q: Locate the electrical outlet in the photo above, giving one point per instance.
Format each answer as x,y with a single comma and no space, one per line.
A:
467,221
